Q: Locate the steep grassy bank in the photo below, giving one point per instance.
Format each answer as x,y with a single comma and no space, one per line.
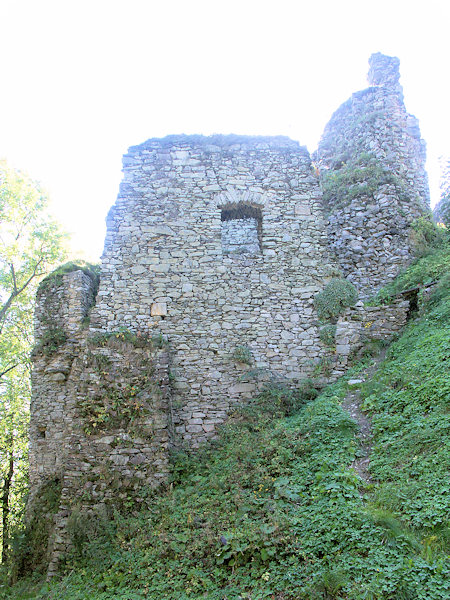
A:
274,510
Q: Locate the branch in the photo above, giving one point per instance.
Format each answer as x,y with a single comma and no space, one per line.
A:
17,291
7,370
13,273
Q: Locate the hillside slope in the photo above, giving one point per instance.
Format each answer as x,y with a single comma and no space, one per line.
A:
274,509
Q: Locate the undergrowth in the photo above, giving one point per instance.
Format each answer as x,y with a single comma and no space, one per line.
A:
423,271
337,295
273,509
30,544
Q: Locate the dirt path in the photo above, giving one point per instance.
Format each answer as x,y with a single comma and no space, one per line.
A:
352,404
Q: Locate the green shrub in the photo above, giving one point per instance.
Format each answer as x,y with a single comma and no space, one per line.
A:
327,334
87,530
30,546
426,235
335,298
422,271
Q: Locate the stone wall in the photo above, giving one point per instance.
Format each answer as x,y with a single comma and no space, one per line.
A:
361,324
217,243
100,411
372,163
240,236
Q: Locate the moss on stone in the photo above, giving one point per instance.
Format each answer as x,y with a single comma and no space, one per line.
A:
55,278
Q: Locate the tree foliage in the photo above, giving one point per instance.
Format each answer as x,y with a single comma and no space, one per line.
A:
31,243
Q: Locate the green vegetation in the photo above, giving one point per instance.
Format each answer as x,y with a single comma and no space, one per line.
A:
335,298
356,176
273,508
121,394
242,354
50,341
55,278
30,545
125,336
327,334
428,269
442,209
426,235
31,243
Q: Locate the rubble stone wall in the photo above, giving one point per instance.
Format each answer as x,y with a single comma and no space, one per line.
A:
186,257
361,324
372,163
100,412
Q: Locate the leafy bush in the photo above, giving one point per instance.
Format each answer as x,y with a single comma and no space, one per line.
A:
335,298
30,546
87,530
279,400
327,334
426,235
423,271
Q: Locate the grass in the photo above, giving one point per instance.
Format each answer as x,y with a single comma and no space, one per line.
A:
433,267
273,509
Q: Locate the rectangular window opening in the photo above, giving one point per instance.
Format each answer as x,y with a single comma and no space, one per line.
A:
241,230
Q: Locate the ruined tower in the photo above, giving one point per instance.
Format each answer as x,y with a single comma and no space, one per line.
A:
372,163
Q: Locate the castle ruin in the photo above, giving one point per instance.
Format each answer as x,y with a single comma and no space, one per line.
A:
215,250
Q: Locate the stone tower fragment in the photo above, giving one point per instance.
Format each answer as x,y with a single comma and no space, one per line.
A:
372,163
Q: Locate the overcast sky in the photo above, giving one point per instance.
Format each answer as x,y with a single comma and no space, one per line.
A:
81,81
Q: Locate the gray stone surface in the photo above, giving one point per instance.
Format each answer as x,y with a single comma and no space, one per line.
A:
369,225
228,234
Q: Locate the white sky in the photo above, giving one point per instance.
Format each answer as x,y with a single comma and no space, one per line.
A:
81,81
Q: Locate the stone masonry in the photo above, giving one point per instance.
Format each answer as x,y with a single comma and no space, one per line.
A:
100,411
372,163
217,243
215,250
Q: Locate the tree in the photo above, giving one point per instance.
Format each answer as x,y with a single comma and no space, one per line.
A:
31,243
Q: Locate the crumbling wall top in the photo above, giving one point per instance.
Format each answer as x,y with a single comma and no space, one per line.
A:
384,70
219,142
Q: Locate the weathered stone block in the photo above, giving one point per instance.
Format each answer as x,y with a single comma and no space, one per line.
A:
158,309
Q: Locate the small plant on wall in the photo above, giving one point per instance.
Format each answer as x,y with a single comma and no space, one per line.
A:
327,334
337,295
242,354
